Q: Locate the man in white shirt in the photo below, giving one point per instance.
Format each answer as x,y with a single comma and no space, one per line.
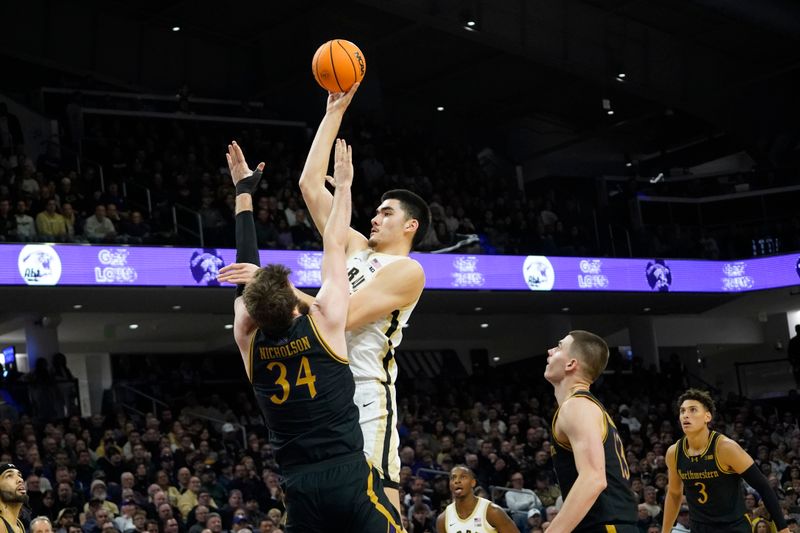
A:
99,227
521,500
26,227
682,525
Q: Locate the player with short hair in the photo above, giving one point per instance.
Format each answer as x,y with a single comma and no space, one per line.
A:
12,497
469,512
296,359
385,285
709,468
588,455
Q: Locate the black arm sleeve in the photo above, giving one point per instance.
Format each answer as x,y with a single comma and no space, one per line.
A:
246,242
756,479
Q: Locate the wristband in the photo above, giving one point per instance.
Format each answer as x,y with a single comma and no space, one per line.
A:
248,185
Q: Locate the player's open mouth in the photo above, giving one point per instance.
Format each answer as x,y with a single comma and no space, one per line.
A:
457,490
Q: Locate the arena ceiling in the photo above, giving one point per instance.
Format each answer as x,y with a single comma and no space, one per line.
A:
703,78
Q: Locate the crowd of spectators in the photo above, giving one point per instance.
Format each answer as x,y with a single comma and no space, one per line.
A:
181,162
188,468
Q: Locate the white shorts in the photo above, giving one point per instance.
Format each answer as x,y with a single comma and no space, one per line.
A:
377,406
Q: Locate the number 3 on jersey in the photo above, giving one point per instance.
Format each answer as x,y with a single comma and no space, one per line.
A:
703,494
304,377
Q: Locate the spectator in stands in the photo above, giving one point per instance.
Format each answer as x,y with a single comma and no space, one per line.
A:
98,228
285,240
266,232
124,522
26,228
303,234
50,225
421,519
520,501
112,214
8,222
72,222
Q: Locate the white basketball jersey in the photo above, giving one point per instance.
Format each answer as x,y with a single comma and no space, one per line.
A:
371,347
474,523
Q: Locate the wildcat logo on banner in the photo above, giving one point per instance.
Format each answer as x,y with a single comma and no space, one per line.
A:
39,264
538,273
205,265
659,276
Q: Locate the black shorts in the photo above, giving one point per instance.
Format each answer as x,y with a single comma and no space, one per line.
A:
739,526
345,494
610,528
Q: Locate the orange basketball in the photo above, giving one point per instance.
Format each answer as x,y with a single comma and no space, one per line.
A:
337,65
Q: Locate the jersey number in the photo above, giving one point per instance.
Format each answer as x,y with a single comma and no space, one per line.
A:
623,462
703,494
304,377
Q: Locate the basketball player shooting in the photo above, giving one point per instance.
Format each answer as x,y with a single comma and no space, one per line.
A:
385,285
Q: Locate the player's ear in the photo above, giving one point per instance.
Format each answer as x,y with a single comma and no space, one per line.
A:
412,224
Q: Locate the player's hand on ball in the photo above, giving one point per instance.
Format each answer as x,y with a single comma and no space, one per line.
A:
237,164
338,102
237,273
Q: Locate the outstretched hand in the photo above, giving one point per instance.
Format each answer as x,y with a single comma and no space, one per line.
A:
237,164
342,165
338,102
237,273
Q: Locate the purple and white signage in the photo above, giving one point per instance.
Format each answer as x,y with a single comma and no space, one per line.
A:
61,264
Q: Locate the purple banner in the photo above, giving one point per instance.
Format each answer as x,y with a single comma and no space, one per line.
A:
45,264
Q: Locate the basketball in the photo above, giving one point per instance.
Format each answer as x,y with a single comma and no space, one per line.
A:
337,65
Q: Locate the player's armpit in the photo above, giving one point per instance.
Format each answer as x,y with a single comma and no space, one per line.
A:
243,328
394,286
498,518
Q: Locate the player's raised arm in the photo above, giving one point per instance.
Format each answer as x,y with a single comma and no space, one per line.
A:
318,199
581,421
245,181
331,304
672,501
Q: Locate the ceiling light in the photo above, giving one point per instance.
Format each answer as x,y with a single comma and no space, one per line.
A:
471,23
228,326
440,108
495,358
176,28
610,111
133,326
484,325
621,75
628,164
479,309
77,306
565,309
176,307
646,309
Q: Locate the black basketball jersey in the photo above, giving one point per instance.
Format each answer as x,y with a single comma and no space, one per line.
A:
714,495
616,504
306,394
